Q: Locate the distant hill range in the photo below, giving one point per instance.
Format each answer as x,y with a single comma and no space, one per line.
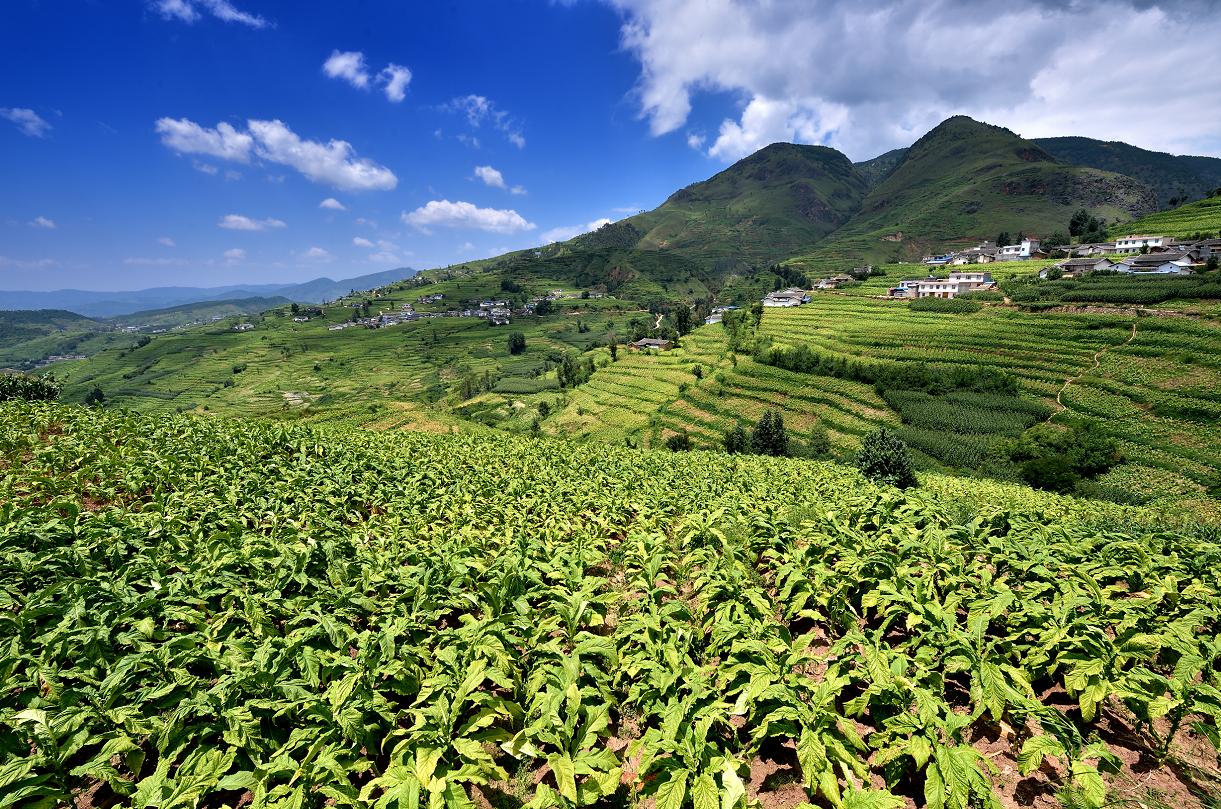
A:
110,304
186,313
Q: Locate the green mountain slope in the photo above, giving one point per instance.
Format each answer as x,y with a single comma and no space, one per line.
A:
766,207
188,313
1170,175
21,326
965,181
878,169
1203,217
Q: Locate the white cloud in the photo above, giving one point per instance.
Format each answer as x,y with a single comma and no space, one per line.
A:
490,176
275,178
479,109
695,141
42,222
867,76
386,256
348,65
189,137
235,222
564,234
236,252
167,241
156,261
332,203
186,11
26,120
396,78
27,265
448,214
314,254
359,242
233,175
204,167
334,163
462,248
385,245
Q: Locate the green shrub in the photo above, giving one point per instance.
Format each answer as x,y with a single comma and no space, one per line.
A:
28,387
517,342
679,442
1051,472
241,366
885,460
949,306
770,437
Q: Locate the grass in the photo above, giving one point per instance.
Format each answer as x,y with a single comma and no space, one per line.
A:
1203,217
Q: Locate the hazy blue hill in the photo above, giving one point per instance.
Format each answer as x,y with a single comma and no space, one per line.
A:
773,204
324,289
109,304
1167,173
965,181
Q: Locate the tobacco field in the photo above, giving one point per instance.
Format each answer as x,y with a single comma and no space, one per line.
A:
202,612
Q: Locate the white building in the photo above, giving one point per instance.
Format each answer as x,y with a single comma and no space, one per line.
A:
1133,244
1020,252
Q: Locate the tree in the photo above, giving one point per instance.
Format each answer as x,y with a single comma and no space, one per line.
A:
544,410
1051,472
517,342
295,308
682,318
544,308
95,397
1057,239
1077,224
770,437
1003,239
737,441
1213,263
885,460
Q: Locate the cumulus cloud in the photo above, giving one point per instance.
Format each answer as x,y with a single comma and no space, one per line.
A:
448,214
188,11
235,222
396,78
490,176
224,142
869,76
314,254
27,121
332,203
236,252
334,163
167,241
479,110
233,175
42,222
349,65
164,262
359,242
564,234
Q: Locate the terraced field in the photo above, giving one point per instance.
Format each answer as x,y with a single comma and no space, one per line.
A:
1155,394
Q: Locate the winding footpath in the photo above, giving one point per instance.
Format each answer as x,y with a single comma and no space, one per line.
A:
1097,365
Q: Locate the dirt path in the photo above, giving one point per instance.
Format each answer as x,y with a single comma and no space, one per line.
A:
1097,364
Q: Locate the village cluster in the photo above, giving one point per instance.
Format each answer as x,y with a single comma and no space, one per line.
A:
496,312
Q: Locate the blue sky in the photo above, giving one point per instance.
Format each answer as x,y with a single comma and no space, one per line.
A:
208,142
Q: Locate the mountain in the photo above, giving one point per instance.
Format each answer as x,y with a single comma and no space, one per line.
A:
110,304
766,207
1170,175
966,181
